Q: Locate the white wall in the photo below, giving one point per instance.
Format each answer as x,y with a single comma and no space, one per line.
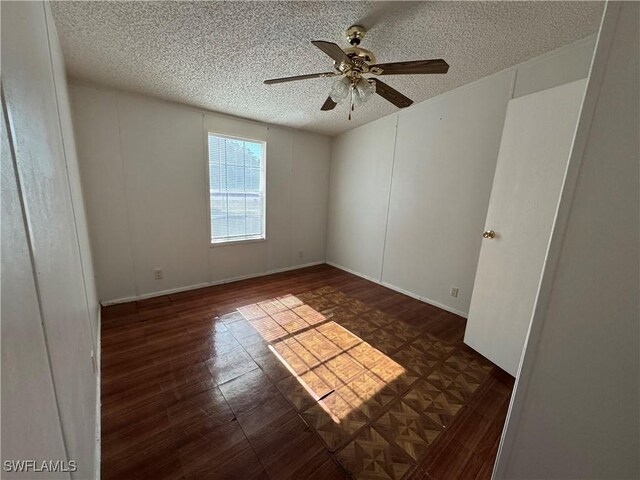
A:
49,310
143,163
162,151
409,193
575,412
361,164
446,153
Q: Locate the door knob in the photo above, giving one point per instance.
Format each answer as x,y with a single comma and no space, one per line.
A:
489,234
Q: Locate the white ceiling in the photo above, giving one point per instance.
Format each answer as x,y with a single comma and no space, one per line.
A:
215,55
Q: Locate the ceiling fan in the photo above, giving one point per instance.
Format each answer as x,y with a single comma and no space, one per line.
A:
351,64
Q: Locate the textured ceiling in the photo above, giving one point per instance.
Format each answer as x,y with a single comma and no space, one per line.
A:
215,55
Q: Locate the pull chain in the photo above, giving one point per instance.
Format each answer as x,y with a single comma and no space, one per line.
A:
351,109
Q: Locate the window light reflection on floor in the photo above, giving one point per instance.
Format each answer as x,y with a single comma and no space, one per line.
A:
337,369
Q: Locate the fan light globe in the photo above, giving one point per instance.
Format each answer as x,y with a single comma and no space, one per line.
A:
340,89
362,91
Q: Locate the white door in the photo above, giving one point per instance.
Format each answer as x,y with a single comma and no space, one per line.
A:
534,152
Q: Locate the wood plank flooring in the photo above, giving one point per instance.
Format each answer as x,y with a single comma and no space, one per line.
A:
191,392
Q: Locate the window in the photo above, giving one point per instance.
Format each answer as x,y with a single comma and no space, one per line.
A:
236,189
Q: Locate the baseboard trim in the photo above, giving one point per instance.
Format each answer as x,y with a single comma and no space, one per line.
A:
354,272
400,290
280,270
425,300
98,354
144,296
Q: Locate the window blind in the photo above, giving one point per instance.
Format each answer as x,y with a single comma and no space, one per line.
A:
236,188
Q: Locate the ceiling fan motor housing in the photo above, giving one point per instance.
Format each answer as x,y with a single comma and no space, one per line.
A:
359,56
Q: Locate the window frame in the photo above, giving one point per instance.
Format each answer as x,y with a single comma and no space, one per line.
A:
263,188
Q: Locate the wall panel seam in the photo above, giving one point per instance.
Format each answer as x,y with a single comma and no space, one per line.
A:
386,222
126,196
292,214
207,181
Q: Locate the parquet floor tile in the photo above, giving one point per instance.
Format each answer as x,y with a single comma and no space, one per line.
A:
408,429
384,341
336,298
326,290
358,327
465,383
329,376
357,306
272,306
269,329
339,335
435,347
400,330
459,360
421,395
341,314
318,345
289,321
368,394
444,408
416,360
335,420
320,303
291,359
365,354
306,296
343,367
309,357
394,375
316,385
309,315
371,456
290,301
443,376
377,318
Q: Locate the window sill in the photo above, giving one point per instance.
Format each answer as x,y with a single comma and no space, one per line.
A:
236,242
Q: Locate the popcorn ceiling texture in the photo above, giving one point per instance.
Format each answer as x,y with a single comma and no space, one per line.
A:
215,55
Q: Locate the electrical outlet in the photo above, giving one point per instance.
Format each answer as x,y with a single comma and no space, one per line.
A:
454,292
301,254
157,272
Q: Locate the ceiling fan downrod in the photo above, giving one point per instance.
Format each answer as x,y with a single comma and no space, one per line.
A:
355,34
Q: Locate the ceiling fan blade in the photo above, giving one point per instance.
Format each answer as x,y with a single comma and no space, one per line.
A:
392,95
300,77
333,50
328,104
437,65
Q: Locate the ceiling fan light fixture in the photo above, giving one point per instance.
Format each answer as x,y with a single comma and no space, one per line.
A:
340,89
363,90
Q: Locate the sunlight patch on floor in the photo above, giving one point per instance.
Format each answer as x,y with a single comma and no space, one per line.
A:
335,367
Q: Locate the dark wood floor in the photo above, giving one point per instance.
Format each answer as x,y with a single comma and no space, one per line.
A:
184,397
